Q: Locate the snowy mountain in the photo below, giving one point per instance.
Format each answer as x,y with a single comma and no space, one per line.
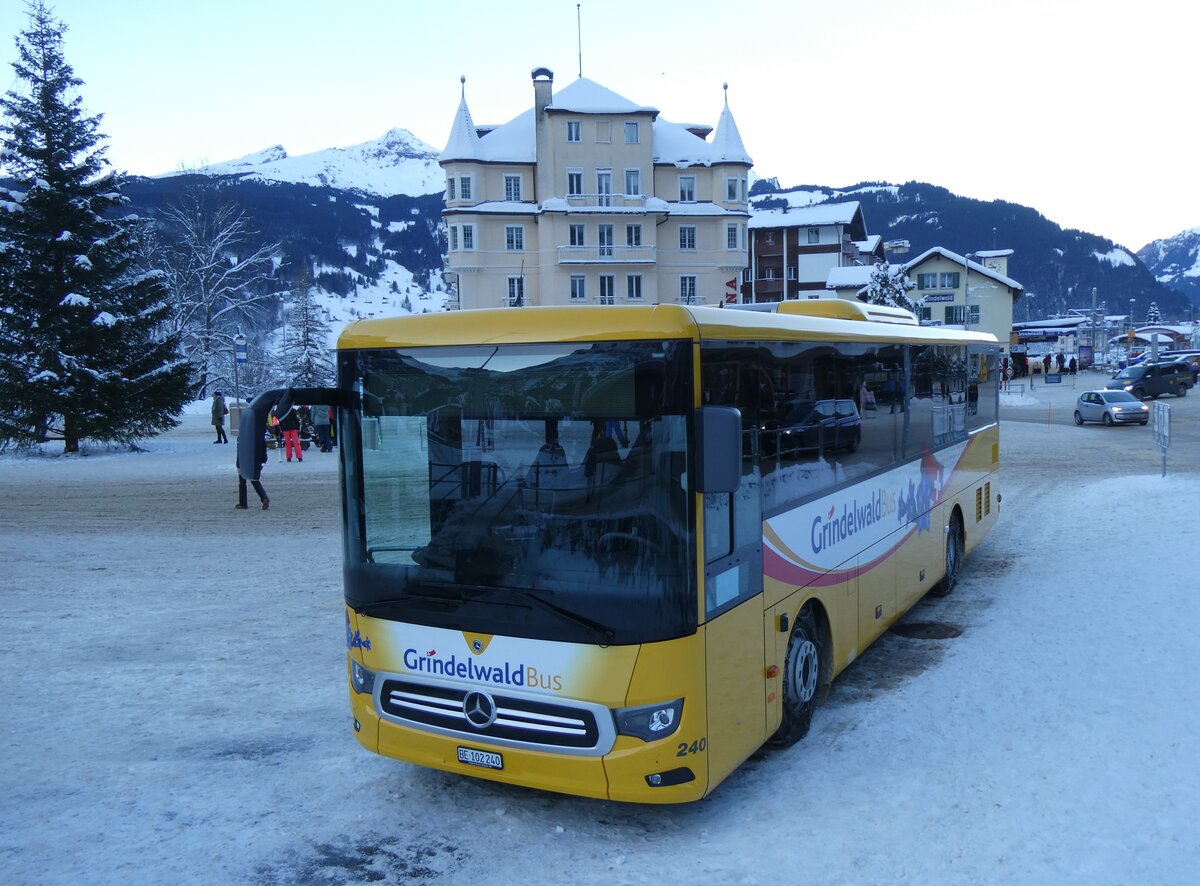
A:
1175,262
396,163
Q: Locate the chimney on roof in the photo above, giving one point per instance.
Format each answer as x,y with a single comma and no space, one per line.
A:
543,83
543,174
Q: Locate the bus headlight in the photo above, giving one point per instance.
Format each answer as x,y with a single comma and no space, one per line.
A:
361,679
649,722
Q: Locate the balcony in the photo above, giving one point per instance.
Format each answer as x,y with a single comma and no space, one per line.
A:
606,201
606,255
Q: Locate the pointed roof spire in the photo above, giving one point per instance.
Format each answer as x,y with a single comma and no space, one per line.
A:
727,143
464,140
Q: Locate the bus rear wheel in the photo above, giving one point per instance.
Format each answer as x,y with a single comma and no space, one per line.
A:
802,672
954,555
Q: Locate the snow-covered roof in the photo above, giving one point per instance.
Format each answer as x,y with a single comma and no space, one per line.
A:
850,277
727,144
993,253
962,260
498,207
516,140
870,244
464,138
807,216
586,96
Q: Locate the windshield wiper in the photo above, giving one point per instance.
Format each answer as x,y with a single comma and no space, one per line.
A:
596,627
456,599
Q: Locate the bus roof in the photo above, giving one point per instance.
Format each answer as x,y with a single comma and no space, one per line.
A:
816,320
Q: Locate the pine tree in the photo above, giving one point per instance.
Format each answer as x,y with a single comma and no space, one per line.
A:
306,359
82,348
1153,317
890,285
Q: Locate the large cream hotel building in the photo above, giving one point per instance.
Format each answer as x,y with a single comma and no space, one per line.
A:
588,198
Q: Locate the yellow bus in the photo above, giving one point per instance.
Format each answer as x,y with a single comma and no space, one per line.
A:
612,551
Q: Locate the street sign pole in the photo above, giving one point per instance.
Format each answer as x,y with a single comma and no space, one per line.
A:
1162,431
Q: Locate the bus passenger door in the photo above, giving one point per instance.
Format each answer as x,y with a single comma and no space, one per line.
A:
733,631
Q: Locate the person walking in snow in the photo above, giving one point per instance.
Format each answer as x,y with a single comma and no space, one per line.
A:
289,426
219,411
260,456
320,420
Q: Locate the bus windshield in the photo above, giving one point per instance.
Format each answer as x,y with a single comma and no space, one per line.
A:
531,490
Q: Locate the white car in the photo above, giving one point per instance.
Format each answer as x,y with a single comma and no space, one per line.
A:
1111,408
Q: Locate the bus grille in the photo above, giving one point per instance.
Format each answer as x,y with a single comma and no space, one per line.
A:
518,720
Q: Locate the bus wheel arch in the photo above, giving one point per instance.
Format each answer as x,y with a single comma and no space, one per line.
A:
956,547
807,672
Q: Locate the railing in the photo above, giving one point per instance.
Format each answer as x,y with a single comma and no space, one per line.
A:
581,255
606,201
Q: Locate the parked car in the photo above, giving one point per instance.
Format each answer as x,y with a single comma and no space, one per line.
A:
1153,380
1111,408
819,425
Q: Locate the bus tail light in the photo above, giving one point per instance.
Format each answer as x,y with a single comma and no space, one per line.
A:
361,679
649,722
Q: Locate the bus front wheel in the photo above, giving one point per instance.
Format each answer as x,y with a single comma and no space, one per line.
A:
954,555
801,681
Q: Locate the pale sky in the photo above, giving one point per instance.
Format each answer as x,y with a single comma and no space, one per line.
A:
1081,109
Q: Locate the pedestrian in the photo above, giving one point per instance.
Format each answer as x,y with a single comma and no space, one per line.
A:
289,426
320,420
1072,366
260,456
219,411
1046,365
1060,360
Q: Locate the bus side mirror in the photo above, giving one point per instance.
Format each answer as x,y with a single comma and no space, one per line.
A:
719,448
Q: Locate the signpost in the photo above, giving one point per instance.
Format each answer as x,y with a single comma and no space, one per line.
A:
239,357
1162,430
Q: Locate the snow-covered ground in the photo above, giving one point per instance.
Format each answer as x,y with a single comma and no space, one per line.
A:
174,706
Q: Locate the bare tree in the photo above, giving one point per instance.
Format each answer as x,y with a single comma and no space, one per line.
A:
220,282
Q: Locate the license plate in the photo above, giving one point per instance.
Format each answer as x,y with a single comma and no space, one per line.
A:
486,759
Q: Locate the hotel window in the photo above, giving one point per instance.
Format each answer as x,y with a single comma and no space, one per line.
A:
814,235
731,190
604,187
633,182
743,200
956,315
464,187
603,132
631,133
687,290
633,235
574,131
731,236
604,239
578,290
576,232
514,238
633,287
468,236
450,188
512,188
687,237
792,273
516,291
687,189
926,281
574,182
950,280
608,289
454,236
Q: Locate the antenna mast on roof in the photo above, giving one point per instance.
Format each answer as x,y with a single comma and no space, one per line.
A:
579,38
